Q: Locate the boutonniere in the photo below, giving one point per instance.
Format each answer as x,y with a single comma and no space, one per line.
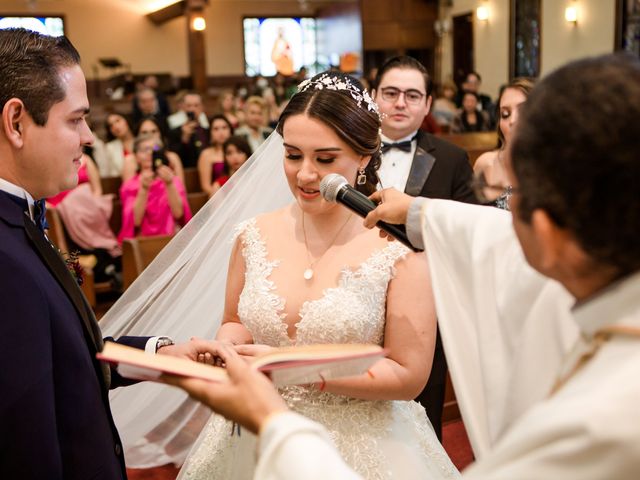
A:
73,265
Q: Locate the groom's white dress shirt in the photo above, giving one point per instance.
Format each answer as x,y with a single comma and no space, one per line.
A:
396,164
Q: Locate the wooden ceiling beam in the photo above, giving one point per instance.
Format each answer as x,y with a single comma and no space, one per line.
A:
167,13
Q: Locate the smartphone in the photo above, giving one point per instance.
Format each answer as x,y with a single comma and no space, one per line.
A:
159,158
191,116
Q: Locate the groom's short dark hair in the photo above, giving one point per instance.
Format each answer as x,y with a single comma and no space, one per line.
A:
575,156
29,70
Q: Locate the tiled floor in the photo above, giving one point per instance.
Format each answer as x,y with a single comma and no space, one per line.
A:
454,439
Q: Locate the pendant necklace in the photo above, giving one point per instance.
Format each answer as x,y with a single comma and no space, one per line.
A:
308,273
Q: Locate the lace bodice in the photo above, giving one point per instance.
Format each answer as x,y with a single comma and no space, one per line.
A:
351,312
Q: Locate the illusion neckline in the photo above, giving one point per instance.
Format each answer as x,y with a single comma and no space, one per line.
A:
279,303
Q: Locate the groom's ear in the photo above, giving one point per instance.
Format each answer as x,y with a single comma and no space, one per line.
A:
13,113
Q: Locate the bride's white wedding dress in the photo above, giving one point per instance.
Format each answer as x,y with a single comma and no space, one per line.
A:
379,439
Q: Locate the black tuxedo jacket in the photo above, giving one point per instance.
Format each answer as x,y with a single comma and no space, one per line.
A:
440,170
189,152
55,421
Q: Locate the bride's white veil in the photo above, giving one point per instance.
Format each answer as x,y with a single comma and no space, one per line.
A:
181,294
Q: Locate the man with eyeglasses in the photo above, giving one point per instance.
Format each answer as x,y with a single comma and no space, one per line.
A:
421,165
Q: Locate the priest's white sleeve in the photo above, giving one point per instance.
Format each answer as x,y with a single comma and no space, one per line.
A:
505,327
293,447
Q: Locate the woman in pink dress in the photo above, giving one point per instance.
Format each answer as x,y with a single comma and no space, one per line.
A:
236,151
154,201
211,163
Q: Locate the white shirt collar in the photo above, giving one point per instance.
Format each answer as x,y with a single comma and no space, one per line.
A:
616,304
386,139
17,191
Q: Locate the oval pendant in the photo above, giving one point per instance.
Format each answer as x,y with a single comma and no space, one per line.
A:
308,274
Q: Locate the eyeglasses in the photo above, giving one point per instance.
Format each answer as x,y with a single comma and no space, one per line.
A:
487,193
392,94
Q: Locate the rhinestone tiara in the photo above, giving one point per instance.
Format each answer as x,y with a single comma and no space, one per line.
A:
330,82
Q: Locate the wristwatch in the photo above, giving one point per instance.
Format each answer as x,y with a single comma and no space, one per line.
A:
163,342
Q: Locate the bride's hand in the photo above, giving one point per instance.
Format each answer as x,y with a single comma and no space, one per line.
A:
211,356
249,351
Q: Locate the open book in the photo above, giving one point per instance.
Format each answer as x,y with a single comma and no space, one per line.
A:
286,366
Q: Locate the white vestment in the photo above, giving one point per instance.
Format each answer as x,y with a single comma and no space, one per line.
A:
506,330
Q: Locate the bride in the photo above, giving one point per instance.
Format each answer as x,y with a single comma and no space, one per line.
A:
311,273
306,272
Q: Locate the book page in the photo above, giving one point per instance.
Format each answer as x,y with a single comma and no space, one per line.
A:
286,366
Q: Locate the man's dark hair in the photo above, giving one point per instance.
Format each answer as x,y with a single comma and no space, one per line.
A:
30,66
575,155
476,74
405,62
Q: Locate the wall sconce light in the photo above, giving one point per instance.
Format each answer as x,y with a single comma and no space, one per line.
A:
199,24
482,12
571,14
442,27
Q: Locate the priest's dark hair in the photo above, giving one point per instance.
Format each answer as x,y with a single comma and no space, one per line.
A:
575,156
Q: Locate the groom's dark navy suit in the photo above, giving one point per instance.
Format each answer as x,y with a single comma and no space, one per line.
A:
55,420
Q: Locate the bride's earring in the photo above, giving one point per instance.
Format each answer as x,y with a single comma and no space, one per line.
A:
362,177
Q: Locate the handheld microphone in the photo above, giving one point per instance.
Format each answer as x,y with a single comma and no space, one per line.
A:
335,188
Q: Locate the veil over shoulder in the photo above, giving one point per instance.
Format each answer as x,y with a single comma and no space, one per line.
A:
181,295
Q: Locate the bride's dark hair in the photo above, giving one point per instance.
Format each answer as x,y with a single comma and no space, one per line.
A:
354,123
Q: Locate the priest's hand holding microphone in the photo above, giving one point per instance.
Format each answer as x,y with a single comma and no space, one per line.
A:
386,209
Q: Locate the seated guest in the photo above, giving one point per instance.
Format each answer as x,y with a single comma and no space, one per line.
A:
85,213
179,118
472,83
189,139
154,202
119,144
151,81
211,162
272,107
228,108
492,182
254,129
150,127
444,107
146,105
470,118
236,152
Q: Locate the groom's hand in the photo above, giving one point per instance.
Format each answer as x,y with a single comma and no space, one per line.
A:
197,349
248,398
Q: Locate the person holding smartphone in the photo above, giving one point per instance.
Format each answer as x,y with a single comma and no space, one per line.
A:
154,202
189,139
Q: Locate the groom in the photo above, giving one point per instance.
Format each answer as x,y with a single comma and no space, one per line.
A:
55,420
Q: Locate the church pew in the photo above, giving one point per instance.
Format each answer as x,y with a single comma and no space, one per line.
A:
475,143
138,253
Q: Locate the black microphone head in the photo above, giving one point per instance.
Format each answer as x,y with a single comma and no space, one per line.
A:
331,185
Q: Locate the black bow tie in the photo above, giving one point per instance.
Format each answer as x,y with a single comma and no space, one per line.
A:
404,146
